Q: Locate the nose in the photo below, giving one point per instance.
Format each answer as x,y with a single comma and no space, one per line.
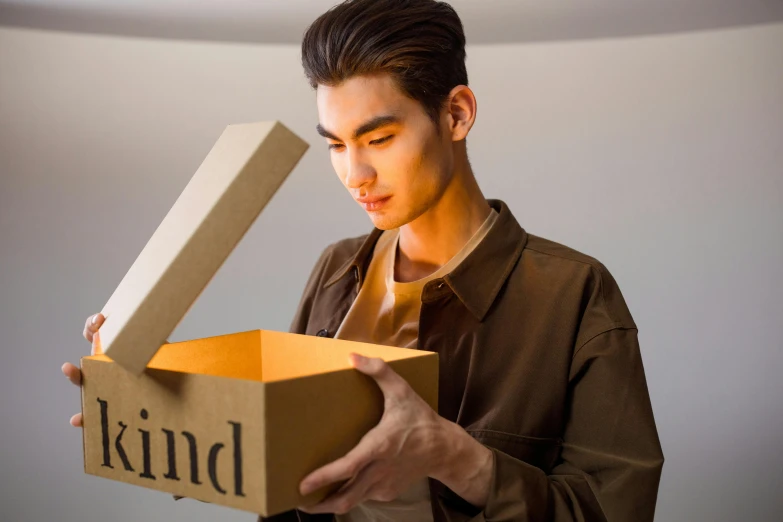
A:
358,172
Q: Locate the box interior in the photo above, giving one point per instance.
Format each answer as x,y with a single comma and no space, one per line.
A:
288,356
265,356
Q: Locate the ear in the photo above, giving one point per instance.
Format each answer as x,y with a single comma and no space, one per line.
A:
460,111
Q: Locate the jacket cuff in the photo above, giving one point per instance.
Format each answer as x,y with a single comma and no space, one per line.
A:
518,491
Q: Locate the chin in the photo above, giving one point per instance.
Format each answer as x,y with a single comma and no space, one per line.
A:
385,221
382,222
391,218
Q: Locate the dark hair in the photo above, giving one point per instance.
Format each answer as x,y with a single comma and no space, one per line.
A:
421,43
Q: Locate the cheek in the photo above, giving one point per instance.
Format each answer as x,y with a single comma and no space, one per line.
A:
408,165
426,170
338,164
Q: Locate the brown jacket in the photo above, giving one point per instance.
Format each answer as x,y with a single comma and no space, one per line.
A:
539,361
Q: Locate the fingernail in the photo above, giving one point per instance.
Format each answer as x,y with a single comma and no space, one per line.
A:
95,319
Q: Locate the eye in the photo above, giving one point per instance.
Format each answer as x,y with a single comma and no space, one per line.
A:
381,140
336,146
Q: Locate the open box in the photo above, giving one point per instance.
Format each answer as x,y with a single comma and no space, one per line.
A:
238,419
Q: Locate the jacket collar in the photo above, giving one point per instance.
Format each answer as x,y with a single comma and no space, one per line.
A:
359,262
477,280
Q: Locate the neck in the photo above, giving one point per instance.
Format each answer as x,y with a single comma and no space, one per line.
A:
432,239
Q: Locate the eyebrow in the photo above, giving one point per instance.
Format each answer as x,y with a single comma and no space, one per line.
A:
373,124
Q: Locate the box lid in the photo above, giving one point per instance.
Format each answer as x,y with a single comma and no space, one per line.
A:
224,197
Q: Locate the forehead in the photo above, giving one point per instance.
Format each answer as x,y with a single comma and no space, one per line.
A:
343,107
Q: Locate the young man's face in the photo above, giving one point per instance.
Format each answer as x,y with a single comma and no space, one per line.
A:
384,148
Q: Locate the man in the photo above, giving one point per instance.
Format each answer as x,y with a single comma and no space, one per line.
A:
543,413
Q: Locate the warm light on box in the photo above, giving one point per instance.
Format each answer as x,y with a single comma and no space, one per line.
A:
238,419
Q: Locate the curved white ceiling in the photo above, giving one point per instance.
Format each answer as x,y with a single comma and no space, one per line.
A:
486,21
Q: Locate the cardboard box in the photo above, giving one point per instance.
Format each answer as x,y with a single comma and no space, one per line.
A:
226,194
239,419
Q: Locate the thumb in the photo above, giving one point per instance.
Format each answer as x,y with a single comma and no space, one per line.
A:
390,382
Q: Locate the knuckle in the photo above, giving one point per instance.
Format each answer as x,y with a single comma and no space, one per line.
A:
385,495
383,447
352,467
404,391
343,506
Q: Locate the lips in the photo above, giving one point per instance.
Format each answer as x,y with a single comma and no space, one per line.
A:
372,203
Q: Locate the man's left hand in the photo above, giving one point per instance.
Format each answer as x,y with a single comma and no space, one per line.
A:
408,444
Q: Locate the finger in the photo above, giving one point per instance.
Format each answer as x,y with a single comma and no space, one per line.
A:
347,497
96,349
87,323
77,420
389,381
344,468
73,373
92,324
341,469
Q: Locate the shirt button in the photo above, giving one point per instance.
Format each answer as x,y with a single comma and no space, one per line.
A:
323,333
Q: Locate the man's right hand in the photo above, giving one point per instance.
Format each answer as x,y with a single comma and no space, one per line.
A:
74,374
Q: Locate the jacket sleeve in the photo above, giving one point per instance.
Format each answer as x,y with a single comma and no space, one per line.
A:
611,459
314,283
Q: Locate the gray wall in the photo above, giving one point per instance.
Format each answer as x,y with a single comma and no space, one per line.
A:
661,156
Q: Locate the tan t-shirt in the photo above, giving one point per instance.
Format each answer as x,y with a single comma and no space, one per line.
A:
387,312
